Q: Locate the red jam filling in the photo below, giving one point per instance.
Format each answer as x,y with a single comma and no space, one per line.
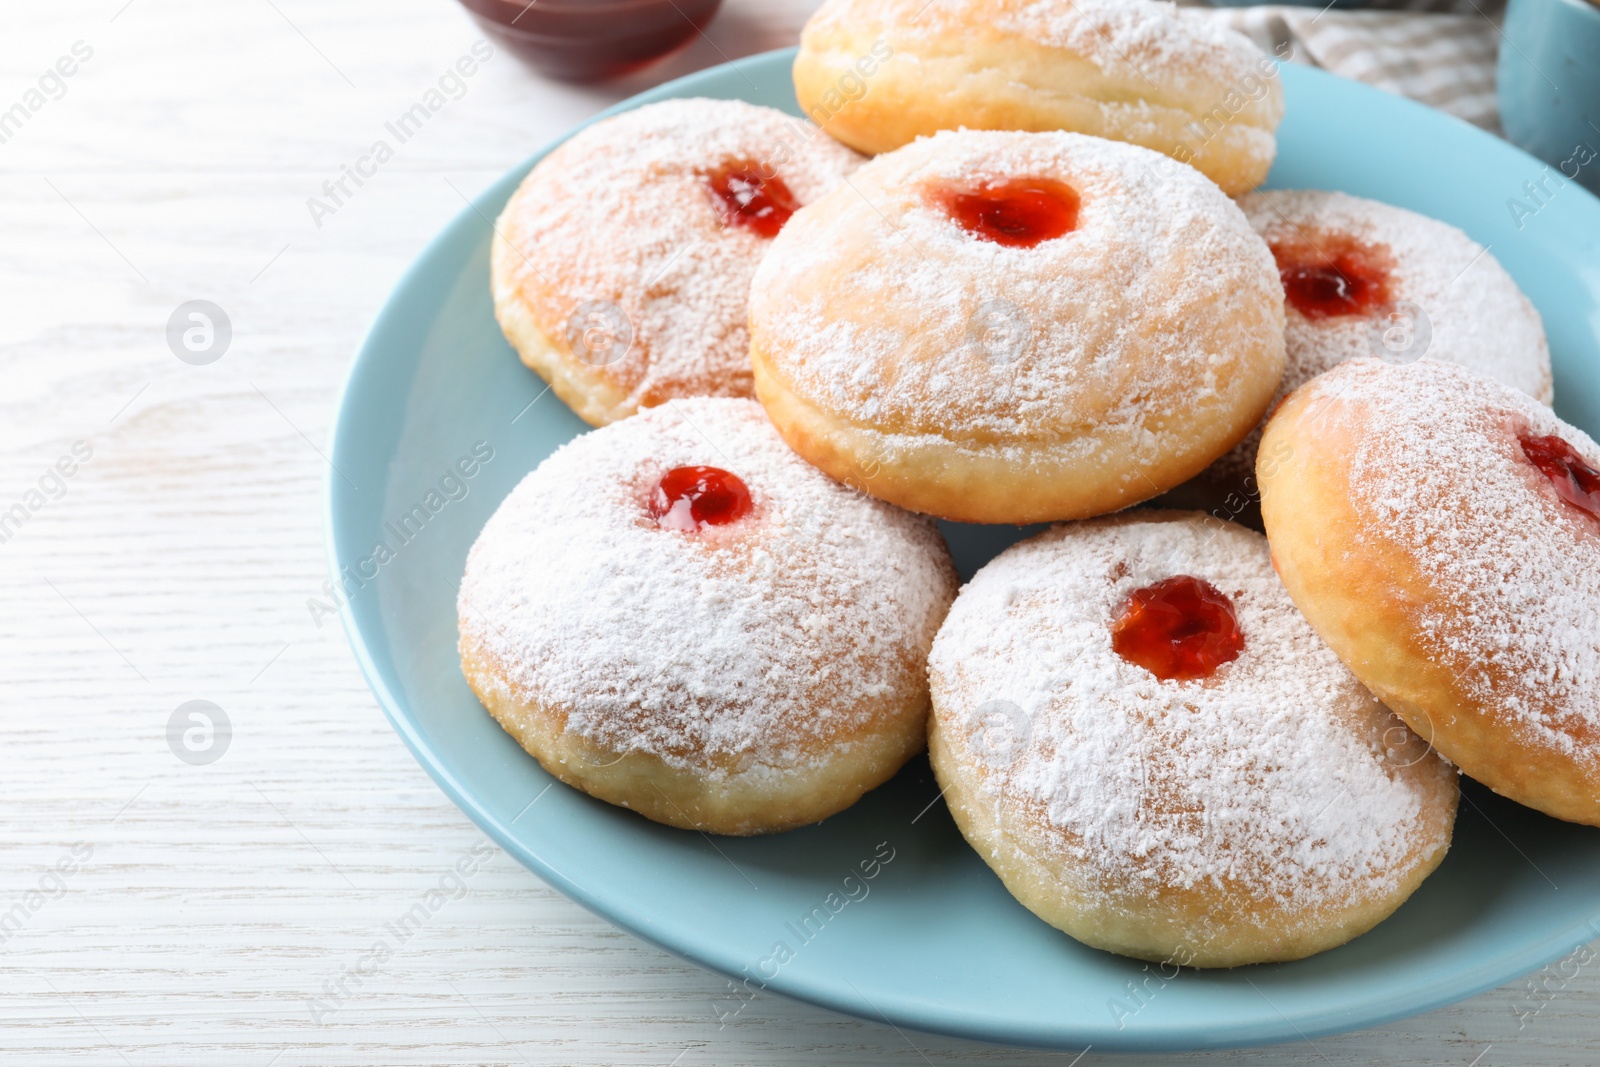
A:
1179,629
1574,480
1019,213
1336,277
747,198
692,498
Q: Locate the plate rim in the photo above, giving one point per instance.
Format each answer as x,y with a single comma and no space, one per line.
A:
1301,1025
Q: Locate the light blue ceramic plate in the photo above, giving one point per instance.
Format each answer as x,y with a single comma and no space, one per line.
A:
932,942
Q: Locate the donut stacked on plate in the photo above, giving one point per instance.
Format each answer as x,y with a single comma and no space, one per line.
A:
878,74
1017,327
1442,532
730,608
621,267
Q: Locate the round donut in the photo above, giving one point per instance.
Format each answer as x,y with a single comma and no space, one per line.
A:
736,657
621,266
1363,278
1441,531
1157,755
877,74
1016,327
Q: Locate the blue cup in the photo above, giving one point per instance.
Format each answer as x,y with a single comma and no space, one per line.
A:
1549,84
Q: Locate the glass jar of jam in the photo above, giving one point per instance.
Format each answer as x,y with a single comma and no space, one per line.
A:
587,40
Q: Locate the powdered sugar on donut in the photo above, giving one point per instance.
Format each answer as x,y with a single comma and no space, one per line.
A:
1472,313
1177,57
754,643
1437,470
622,214
1278,778
1477,316
885,311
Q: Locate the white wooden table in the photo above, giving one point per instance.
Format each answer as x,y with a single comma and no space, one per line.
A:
158,912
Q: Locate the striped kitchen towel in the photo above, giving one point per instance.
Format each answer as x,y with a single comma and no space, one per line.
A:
1441,52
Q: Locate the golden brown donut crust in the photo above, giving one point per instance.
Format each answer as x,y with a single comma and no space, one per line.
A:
1391,601
1178,926
739,801
877,74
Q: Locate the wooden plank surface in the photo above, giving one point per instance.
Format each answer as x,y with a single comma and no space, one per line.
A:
168,913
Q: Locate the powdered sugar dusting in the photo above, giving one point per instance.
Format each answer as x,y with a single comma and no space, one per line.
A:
1477,315
1174,56
622,213
1472,313
757,641
1437,469
874,301
1276,777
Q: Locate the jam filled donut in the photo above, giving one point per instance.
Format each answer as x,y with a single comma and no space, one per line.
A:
1145,740
1016,327
1361,278
1442,533
621,267
678,615
877,74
